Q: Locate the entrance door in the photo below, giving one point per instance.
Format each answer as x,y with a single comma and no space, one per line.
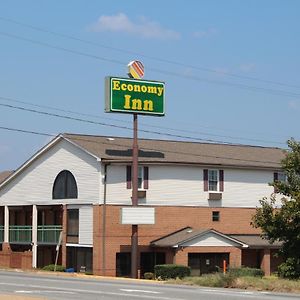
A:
150,259
202,263
123,264
80,258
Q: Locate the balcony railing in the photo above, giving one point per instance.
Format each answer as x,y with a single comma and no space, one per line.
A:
1,233
20,234
48,234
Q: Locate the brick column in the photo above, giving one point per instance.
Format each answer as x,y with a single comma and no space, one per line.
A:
235,259
5,244
64,237
266,262
99,263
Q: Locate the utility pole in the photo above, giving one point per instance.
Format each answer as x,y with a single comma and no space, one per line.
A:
134,232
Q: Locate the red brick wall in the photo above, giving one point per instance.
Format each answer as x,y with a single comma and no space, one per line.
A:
97,240
4,259
17,260
168,219
266,262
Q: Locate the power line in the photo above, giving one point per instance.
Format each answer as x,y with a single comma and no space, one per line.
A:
108,125
74,38
141,148
26,131
118,126
127,122
192,77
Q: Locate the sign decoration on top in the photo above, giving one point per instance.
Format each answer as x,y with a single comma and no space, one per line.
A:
134,96
136,69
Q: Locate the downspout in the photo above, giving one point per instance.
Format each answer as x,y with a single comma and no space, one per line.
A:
104,221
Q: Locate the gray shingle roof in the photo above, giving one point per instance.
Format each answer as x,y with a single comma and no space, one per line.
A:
253,241
118,149
4,175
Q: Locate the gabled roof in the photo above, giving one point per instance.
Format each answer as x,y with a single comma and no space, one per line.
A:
118,149
179,238
44,149
255,241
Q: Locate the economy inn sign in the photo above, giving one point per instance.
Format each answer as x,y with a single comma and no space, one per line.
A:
134,96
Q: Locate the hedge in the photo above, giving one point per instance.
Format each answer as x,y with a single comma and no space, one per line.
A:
245,271
171,271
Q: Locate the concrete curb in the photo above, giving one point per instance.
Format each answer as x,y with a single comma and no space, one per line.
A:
78,275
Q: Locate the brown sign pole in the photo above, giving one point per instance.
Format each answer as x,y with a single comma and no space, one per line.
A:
134,234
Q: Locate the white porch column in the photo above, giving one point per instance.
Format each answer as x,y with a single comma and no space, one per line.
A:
34,236
6,224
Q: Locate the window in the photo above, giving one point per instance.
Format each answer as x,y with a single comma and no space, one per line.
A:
213,180
73,222
143,177
279,177
282,177
64,186
216,216
140,177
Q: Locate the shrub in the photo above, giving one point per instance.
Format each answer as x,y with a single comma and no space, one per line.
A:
149,275
290,268
245,271
171,271
59,268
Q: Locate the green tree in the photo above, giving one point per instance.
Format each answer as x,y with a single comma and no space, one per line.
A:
283,223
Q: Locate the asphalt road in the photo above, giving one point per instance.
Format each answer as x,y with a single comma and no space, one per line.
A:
21,285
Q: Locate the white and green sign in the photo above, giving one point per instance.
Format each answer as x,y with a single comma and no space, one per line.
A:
134,96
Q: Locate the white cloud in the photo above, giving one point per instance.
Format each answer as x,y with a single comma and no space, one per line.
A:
247,67
294,105
141,28
205,33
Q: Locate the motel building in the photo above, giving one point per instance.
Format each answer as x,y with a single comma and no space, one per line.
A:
195,206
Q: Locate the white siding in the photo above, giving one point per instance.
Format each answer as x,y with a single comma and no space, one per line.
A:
86,225
210,240
183,186
34,184
116,192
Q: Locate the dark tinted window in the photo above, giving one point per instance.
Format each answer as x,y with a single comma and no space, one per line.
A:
65,186
73,222
216,216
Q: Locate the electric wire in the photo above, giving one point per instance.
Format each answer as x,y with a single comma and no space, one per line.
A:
74,38
147,125
116,126
75,137
275,92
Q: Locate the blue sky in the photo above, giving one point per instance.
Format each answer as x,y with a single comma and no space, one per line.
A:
231,69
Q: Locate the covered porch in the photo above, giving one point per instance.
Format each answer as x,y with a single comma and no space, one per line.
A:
24,233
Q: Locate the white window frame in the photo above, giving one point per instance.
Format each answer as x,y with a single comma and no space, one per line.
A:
218,180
